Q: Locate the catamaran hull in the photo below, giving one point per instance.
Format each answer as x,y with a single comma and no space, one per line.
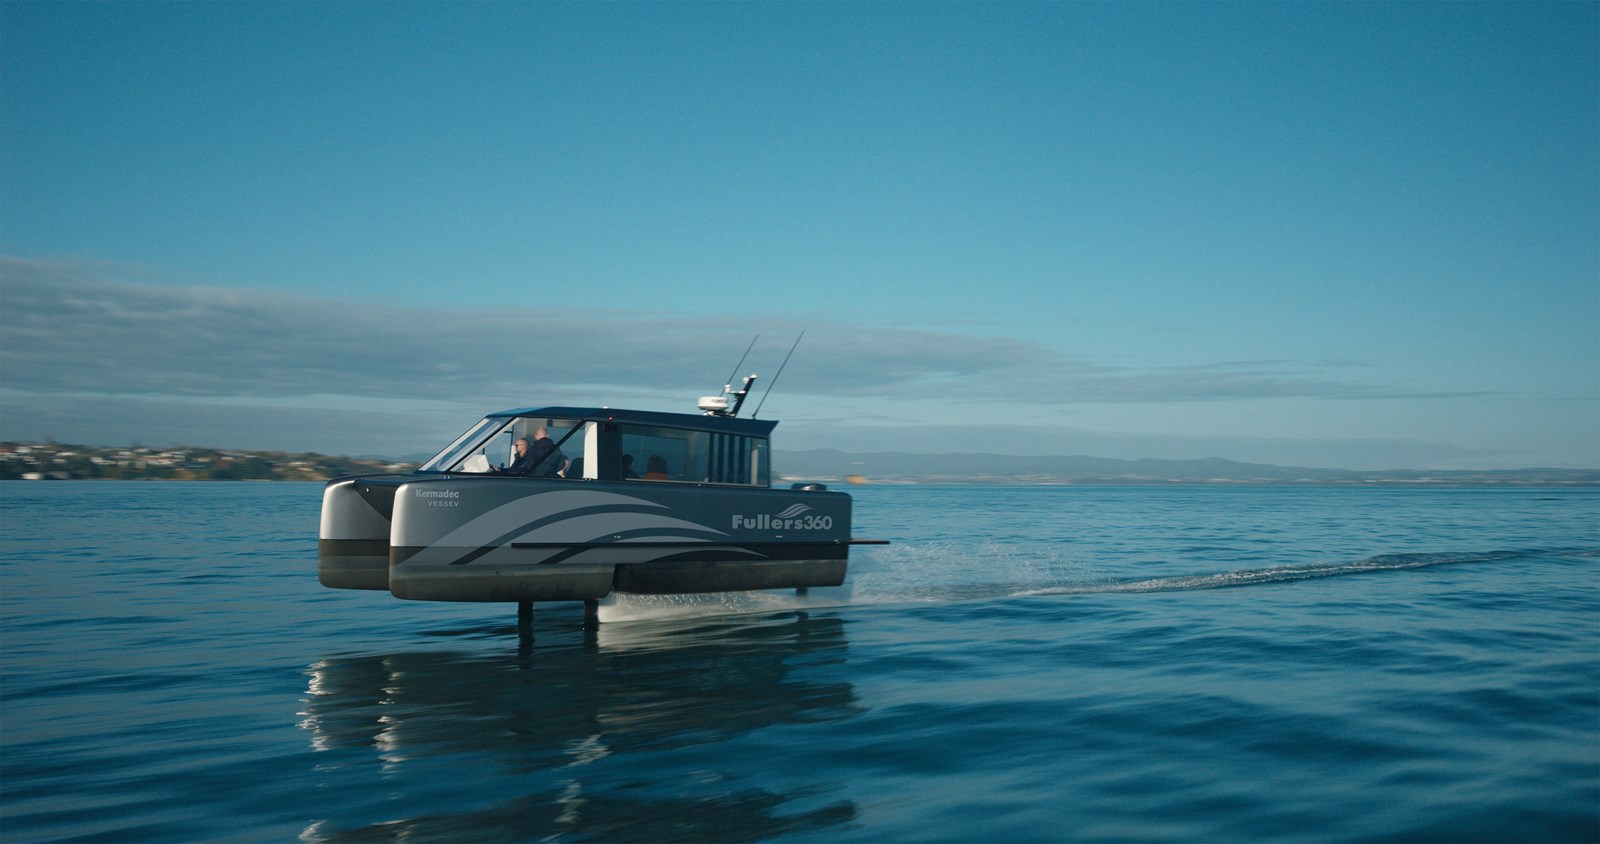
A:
353,542
456,538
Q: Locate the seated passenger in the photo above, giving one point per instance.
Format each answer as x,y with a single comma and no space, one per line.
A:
541,458
520,465
548,460
657,468
627,467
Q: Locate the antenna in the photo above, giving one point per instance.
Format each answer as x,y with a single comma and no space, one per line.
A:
718,405
739,394
740,364
774,381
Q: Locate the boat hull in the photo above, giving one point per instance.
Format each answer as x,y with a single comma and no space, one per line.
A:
454,538
353,541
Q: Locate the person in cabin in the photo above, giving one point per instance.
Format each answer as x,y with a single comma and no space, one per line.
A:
656,468
548,461
540,457
627,467
522,462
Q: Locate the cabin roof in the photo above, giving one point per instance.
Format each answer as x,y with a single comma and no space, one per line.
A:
692,421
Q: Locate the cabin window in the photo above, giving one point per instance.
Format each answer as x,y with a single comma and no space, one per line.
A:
567,434
469,443
668,454
490,445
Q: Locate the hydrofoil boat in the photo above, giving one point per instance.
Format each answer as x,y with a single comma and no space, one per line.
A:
593,501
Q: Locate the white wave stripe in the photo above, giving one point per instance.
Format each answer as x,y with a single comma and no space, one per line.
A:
511,515
596,526
793,510
637,550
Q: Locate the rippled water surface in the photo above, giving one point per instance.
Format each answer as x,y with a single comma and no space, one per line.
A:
1022,664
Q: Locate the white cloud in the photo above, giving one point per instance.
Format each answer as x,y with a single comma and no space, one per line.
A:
71,329
100,357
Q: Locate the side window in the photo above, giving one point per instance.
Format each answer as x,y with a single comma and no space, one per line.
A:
566,435
490,447
497,451
733,459
574,449
760,465
654,454
665,454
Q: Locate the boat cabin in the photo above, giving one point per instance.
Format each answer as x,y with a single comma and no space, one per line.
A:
604,444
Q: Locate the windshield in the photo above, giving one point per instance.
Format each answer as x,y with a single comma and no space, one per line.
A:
490,447
469,443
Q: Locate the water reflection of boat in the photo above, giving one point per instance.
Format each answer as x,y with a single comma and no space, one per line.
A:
563,740
575,523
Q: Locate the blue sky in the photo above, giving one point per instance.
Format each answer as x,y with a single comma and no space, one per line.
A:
1351,235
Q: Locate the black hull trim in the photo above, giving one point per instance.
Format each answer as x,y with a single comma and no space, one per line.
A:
766,550
353,563
671,578
582,582
353,548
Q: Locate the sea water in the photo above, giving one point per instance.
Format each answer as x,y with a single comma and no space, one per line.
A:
1021,664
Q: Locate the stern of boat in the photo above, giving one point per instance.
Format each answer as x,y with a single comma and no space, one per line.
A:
353,541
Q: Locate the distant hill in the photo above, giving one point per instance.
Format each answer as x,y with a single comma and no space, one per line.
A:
830,464
61,461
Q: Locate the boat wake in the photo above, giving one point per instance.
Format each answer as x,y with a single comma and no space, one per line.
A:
932,574
1276,574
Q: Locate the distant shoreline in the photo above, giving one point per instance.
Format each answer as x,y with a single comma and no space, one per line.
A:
63,461
897,467
1373,483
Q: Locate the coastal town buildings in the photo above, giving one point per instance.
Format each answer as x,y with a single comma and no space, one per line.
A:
59,461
